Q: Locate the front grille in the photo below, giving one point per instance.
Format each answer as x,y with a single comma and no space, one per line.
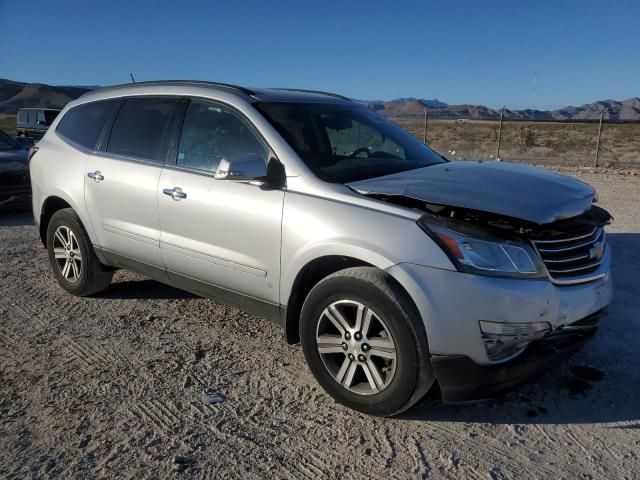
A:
572,256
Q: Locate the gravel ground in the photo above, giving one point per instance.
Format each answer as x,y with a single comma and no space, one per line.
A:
111,386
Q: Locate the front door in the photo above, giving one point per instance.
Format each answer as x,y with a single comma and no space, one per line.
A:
220,232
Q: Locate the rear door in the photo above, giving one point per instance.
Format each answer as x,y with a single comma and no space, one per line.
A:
220,232
122,179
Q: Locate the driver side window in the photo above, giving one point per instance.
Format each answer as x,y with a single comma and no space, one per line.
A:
212,132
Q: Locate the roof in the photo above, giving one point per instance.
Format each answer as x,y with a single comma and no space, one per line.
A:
40,108
260,94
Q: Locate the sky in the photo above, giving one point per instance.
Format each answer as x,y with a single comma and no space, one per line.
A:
522,54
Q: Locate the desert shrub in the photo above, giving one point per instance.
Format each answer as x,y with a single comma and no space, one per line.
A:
526,137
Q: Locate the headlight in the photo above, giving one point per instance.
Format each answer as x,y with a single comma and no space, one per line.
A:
476,251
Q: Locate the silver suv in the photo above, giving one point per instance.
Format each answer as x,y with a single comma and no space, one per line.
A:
395,268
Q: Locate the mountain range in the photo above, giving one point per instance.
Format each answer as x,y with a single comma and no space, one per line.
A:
626,110
15,95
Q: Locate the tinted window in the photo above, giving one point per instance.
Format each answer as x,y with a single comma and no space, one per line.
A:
50,116
212,132
141,126
22,117
346,142
83,124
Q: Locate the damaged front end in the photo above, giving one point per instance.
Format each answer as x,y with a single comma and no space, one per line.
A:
567,251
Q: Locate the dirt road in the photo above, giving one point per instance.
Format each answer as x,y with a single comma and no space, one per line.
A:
111,387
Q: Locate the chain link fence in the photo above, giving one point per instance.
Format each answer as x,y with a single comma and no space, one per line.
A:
563,142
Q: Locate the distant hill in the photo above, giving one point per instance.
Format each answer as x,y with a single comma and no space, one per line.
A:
613,110
15,95
402,106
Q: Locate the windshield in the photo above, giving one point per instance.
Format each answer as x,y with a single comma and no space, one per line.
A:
7,143
344,143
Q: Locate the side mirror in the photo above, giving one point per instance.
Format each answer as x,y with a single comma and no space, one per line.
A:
241,169
253,170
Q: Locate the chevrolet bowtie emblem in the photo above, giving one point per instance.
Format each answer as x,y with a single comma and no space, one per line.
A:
596,251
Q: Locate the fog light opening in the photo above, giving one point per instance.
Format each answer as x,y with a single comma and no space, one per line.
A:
504,341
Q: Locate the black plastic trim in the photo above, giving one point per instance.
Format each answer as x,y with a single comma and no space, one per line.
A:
244,302
461,380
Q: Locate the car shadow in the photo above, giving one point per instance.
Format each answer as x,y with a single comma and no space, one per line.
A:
144,289
16,218
600,384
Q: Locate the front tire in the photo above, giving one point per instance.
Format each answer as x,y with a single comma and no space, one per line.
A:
365,343
72,257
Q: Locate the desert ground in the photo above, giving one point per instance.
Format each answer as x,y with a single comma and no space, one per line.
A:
549,143
111,387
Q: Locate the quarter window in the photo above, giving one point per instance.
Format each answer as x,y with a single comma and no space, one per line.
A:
83,124
140,129
212,132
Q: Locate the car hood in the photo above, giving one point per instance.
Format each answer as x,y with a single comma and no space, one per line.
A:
12,161
511,189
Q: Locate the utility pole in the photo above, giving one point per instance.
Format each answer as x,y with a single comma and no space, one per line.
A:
424,139
595,162
500,133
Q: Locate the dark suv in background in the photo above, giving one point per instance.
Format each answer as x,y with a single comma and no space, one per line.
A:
15,188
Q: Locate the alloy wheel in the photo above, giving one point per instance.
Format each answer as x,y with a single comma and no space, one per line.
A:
356,347
66,251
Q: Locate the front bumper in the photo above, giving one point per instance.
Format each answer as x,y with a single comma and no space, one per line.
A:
452,303
462,380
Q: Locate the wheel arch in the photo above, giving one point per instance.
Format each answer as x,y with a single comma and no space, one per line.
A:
309,275
55,202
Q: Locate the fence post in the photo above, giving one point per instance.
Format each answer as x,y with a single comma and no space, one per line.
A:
595,162
500,133
424,136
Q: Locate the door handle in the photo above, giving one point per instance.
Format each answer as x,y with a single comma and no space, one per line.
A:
175,193
97,176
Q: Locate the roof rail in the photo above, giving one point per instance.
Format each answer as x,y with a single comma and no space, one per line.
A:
329,94
228,86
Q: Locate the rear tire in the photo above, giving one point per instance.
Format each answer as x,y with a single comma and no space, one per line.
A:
365,343
72,257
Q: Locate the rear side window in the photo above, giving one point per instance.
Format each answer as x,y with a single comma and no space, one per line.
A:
141,127
83,124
